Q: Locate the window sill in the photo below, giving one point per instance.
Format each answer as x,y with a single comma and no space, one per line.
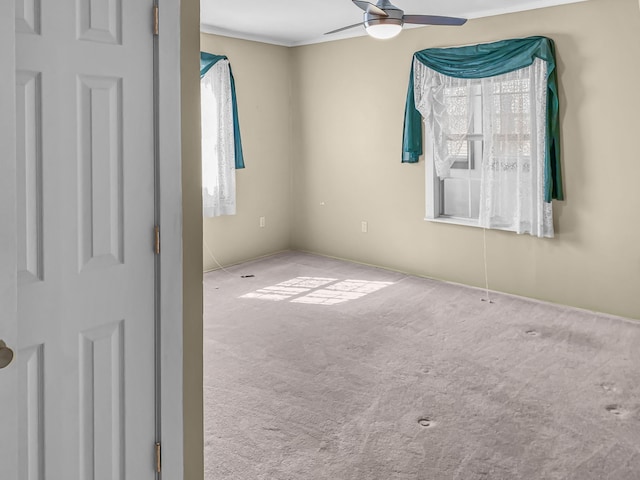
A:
466,222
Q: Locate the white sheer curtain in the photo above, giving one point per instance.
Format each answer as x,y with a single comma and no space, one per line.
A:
512,191
513,108
218,154
446,104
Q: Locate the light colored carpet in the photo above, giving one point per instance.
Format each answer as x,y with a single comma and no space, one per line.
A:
414,379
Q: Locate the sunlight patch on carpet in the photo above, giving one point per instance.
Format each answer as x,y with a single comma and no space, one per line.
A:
290,288
342,292
318,290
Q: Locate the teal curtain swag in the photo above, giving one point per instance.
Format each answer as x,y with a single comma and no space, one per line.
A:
488,60
208,60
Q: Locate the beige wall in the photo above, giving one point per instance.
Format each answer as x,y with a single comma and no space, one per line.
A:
192,240
263,84
349,101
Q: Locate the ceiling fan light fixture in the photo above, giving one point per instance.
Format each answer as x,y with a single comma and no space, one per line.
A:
383,29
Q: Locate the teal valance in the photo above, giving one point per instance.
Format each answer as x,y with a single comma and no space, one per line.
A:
488,60
208,60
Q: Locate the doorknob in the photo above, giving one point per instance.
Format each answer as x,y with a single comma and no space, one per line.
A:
6,354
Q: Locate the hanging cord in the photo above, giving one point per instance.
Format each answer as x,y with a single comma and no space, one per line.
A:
486,272
206,245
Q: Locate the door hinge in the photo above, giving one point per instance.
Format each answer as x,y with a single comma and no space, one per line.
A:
156,20
158,458
156,239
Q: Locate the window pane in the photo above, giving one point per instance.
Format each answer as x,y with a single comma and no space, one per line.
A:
475,198
512,99
460,197
459,153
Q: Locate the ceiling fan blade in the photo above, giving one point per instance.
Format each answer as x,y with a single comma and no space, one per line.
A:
433,20
344,28
370,8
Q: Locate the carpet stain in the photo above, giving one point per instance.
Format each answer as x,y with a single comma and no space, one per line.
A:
425,422
616,410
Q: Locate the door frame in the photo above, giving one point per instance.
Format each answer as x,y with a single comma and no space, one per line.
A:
170,205
170,199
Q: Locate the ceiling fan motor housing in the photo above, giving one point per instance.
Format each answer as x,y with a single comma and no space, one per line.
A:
394,16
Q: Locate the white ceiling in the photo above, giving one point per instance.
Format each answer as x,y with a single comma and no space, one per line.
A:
301,22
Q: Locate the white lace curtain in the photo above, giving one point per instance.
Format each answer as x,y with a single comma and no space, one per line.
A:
513,108
218,154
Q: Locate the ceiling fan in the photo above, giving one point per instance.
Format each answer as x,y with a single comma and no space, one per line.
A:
385,20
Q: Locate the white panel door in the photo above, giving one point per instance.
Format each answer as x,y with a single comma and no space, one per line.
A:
85,266
8,247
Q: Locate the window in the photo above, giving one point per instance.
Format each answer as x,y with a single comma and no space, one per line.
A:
221,146
481,136
492,150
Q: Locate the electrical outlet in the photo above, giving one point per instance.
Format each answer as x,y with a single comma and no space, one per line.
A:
365,227
262,222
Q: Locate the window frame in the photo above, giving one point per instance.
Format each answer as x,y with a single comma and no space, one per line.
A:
434,204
